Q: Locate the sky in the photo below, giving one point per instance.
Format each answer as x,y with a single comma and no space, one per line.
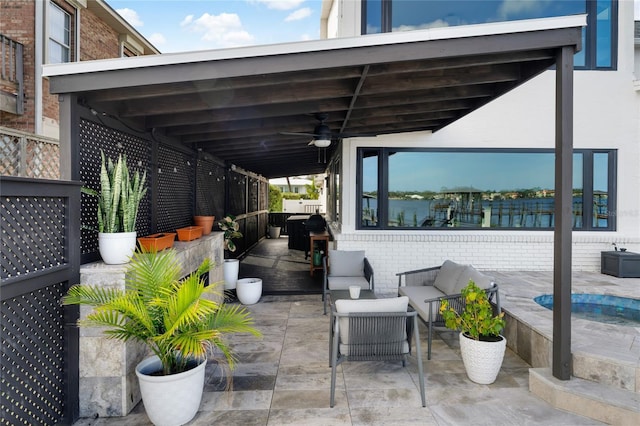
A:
186,25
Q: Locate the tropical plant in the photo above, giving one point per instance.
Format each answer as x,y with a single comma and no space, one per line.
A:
166,313
119,197
477,319
231,231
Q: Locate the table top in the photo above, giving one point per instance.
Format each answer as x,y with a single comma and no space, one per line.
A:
344,294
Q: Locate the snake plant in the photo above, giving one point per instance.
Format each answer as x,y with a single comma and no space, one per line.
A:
119,197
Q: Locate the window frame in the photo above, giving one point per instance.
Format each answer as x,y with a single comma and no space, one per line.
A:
589,44
55,40
587,188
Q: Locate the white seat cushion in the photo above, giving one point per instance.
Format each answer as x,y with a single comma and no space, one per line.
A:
343,283
345,306
418,294
343,263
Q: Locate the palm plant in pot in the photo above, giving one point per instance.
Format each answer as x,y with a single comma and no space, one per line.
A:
118,202
231,267
481,345
175,320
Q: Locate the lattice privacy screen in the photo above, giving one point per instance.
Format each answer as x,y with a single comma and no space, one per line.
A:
176,173
33,230
29,157
210,189
237,193
32,358
95,137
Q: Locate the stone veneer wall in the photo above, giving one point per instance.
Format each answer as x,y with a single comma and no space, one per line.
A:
108,383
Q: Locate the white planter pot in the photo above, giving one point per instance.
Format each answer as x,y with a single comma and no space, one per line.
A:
116,248
482,360
249,290
231,267
170,400
274,232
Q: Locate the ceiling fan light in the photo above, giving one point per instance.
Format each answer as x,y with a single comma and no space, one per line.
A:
322,143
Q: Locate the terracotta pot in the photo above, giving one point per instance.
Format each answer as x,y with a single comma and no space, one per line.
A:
206,222
157,242
189,233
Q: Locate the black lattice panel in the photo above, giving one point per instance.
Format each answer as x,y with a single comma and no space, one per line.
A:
32,354
264,195
237,193
95,137
32,234
175,195
210,189
253,194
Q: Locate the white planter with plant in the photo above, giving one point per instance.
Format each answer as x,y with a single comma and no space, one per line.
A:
481,345
231,267
118,202
175,320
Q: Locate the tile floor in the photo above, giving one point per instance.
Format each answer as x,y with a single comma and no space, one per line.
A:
284,379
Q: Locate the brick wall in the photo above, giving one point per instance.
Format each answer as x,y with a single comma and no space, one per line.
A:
390,253
18,23
97,39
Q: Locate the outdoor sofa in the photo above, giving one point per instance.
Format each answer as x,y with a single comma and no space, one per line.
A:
426,288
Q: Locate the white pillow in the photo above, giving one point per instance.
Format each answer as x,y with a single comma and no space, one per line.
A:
344,263
447,278
470,273
345,306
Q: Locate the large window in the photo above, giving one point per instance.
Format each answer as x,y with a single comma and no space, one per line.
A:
480,189
59,32
598,39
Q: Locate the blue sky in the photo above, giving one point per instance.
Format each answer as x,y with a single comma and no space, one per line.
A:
185,25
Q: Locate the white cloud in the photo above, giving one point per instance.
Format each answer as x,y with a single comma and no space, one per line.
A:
512,7
298,14
131,16
186,21
157,39
225,30
280,4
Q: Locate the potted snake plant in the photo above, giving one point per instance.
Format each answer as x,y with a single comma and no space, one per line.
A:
481,345
118,202
179,320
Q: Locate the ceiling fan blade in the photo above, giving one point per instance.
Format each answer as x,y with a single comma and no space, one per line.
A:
298,134
311,142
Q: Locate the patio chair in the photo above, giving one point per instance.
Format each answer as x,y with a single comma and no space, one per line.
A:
373,330
342,269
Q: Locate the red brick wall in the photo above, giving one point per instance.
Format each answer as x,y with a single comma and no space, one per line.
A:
97,41
18,23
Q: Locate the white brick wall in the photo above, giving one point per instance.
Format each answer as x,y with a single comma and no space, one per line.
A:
393,252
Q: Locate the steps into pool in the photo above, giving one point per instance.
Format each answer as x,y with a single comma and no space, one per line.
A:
597,401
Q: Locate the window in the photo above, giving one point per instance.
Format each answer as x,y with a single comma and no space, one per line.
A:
599,38
59,28
480,189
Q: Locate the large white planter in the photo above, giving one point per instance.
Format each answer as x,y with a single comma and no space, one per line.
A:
116,248
249,290
482,360
170,400
231,267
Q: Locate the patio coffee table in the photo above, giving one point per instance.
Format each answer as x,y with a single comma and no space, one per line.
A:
344,294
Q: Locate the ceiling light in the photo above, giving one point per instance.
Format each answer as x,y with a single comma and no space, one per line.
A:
322,143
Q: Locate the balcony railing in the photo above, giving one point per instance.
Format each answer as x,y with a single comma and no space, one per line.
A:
11,76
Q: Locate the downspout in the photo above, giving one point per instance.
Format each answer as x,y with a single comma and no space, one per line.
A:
40,32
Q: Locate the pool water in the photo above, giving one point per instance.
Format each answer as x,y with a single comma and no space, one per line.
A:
599,307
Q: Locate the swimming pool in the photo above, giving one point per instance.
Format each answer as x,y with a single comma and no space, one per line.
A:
600,307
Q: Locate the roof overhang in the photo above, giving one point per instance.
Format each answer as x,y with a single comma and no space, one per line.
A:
235,103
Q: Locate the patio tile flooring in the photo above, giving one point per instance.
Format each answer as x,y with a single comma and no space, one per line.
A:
284,379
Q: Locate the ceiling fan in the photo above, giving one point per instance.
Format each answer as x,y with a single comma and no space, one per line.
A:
322,135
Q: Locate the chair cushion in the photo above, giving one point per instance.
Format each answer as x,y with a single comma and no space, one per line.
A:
343,283
447,278
471,273
345,263
417,296
345,306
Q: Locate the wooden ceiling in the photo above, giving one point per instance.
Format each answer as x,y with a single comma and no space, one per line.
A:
236,108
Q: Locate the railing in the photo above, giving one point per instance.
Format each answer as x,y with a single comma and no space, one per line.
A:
28,155
12,71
